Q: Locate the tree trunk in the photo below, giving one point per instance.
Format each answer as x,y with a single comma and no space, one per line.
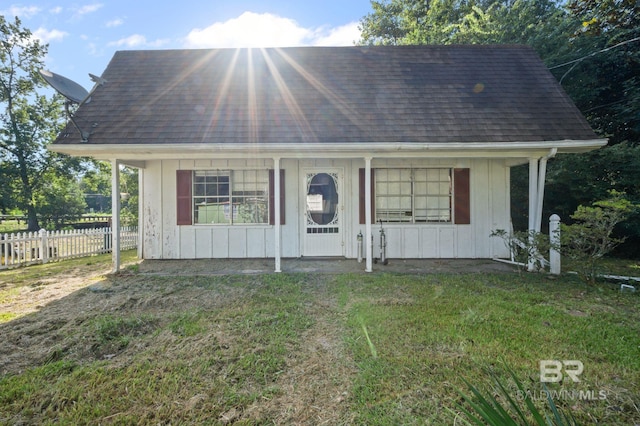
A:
32,218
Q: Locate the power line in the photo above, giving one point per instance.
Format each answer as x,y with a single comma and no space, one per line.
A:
595,53
575,62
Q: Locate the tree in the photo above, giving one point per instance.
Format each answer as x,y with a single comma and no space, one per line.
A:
604,77
129,189
96,186
28,120
541,23
60,200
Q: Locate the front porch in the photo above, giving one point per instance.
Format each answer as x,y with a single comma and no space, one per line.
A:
338,265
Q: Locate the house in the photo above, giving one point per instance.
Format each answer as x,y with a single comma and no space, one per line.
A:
289,152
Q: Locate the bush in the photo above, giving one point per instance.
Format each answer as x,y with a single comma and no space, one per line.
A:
590,237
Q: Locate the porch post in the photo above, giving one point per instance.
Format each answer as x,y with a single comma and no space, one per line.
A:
276,210
533,196
542,175
533,192
141,192
367,215
115,215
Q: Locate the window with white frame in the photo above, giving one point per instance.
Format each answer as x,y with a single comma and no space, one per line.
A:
231,197
413,195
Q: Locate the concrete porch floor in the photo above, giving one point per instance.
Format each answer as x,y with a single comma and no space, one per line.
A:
320,265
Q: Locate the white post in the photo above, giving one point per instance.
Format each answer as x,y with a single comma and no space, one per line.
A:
276,211
367,215
115,214
533,197
44,246
554,251
542,174
141,191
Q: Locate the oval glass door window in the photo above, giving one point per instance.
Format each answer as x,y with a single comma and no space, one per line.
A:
322,199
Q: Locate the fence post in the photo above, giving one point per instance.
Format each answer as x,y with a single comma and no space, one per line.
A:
44,246
554,251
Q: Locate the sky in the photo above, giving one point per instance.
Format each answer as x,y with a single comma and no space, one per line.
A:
83,35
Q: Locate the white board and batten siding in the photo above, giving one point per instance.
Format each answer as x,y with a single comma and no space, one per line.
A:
164,239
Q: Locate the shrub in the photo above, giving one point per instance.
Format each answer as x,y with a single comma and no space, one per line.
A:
590,237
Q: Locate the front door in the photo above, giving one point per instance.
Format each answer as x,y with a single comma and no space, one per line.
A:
322,233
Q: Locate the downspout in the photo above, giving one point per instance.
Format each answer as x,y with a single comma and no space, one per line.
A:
542,171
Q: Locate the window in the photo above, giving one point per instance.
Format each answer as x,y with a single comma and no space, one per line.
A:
231,197
413,195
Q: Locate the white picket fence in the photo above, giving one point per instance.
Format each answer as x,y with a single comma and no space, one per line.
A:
28,248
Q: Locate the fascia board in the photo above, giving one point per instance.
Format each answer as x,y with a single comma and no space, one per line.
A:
340,150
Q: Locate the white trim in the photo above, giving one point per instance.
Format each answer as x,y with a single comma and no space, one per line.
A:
127,152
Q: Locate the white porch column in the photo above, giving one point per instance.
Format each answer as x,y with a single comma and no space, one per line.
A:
533,203
542,176
367,215
115,214
141,191
555,265
533,192
276,211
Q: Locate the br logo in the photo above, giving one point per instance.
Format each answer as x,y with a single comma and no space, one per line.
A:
551,370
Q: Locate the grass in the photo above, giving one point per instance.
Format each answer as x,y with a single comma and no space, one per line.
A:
8,226
374,349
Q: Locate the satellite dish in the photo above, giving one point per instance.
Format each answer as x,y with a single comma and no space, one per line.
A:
66,87
74,93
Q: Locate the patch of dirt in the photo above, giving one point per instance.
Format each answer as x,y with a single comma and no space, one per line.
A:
35,296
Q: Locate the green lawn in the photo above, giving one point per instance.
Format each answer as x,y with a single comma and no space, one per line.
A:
310,348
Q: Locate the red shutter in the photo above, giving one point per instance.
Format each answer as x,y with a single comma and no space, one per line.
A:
461,197
272,194
362,200
184,200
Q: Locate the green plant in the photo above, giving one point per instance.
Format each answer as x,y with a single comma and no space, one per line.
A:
590,237
486,408
525,245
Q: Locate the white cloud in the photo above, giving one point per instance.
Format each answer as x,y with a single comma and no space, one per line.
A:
138,40
267,30
56,10
114,23
345,35
46,36
89,8
21,11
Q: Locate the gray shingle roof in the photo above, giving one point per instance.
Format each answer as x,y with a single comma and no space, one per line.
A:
425,94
